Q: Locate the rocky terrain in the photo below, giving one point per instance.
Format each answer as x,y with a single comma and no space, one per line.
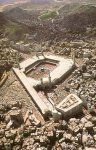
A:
22,35
72,21
22,130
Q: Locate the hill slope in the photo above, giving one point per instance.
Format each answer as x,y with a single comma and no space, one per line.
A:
72,19
3,19
22,16
11,28
16,13
78,16
11,1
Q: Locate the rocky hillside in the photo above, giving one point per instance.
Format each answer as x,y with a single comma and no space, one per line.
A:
33,1
40,1
3,19
78,1
72,19
10,1
17,14
22,16
11,28
78,17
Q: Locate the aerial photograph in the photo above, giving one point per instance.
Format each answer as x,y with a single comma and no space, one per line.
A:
47,74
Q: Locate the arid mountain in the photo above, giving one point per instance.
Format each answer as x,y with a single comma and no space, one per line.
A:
78,1
17,13
40,1
3,19
17,1
71,18
22,16
46,1
10,1
70,14
75,20
86,12
11,28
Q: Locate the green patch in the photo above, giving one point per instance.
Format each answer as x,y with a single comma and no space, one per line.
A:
48,15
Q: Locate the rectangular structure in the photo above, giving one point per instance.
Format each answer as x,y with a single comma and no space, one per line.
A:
70,106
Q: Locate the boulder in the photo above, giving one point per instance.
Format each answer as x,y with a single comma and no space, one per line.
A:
86,76
16,115
93,120
56,115
10,134
7,146
89,126
2,132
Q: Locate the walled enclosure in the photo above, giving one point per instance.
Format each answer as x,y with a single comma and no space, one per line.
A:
63,68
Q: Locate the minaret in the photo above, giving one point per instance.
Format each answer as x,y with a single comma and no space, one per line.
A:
73,56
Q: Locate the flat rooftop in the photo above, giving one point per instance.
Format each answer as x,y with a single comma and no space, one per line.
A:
69,102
